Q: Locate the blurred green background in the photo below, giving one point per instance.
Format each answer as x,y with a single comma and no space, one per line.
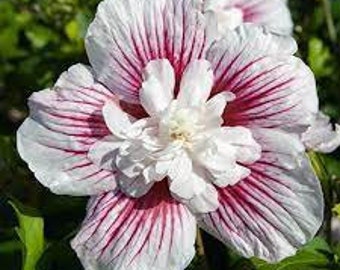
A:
39,40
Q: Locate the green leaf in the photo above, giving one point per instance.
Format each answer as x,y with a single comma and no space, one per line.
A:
315,255
72,30
336,210
40,36
31,234
319,57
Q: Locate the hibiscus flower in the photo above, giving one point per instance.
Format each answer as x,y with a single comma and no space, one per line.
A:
169,129
274,15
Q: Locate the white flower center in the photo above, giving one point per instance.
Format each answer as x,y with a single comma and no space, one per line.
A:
182,140
180,124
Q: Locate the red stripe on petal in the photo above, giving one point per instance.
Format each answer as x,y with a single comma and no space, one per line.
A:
148,232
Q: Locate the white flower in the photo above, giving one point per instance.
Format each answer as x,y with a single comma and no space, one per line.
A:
321,136
169,129
273,15
182,139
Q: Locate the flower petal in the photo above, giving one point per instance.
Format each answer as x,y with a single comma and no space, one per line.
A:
193,190
134,187
320,136
63,124
272,87
158,87
116,119
271,14
103,153
180,170
150,233
196,84
127,34
276,209
204,202
247,149
216,105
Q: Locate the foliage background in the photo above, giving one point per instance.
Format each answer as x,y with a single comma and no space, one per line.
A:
41,38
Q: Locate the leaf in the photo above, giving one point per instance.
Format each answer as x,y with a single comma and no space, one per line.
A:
72,30
336,209
315,255
31,234
40,36
319,57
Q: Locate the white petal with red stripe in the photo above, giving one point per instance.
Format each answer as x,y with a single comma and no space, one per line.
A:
274,15
273,88
127,34
63,124
276,209
153,232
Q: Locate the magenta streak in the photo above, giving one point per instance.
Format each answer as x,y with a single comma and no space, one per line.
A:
246,119
137,51
91,97
69,101
141,219
233,78
203,45
174,32
254,183
144,42
133,82
87,122
172,214
245,105
92,174
157,34
90,134
152,54
154,215
183,41
264,175
164,215
255,79
108,174
126,58
254,96
245,194
227,197
128,214
194,44
91,211
273,102
218,81
68,151
251,212
106,96
223,203
79,166
98,223
113,201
